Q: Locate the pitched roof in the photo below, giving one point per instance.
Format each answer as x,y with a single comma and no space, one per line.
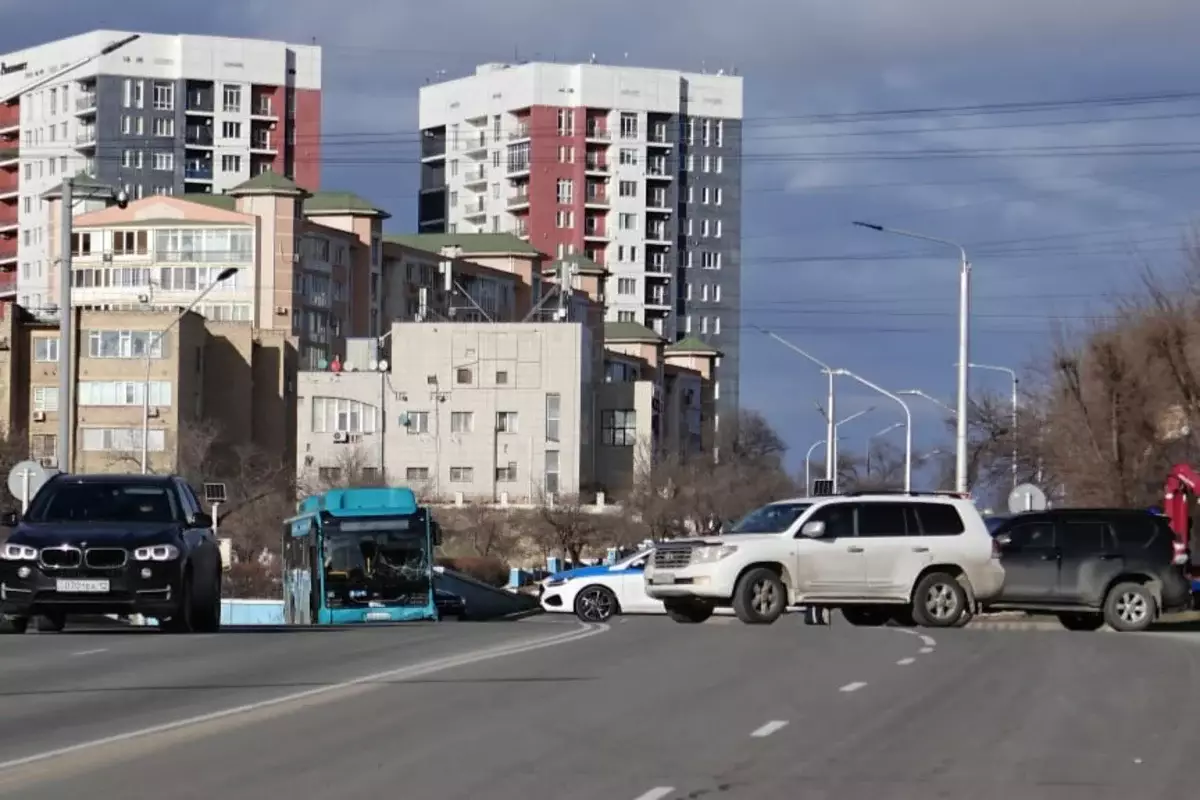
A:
690,345
226,202
339,203
83,185
629,332
472,244
581,265
268,183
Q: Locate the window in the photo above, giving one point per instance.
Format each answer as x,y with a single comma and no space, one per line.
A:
45,350
121,440
706,132
43,446
553,415
163,161
566,122
626,286
164,96
719,164
565,219
710,260
462,376
627,155
1030,536
629,125
551,473
627,222
123,393
164,126
838,519
335,414
462,474
628,188
501,378
689,131
506,422
231,130
45,398
566,154
704,228
231,163
565,190
1085,537
416,474
462,421
882,519
231,95
507,474
124,344
418,422
719,131
939,519
626,316
618,428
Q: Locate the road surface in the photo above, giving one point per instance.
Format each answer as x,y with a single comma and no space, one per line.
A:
645,710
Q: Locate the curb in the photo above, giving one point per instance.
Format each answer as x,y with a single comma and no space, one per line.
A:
531,612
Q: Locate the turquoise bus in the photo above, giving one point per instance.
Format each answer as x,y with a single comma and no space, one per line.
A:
358,556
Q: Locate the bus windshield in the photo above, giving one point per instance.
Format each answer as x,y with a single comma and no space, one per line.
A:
377,561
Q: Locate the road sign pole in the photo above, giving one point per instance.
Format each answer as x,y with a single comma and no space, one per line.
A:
25,476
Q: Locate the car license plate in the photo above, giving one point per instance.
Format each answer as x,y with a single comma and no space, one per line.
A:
70,586
378,616
663,577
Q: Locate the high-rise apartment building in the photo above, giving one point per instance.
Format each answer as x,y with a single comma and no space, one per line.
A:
639,170
162,114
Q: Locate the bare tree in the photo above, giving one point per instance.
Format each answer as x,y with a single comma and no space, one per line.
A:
480,531
354,467
566,526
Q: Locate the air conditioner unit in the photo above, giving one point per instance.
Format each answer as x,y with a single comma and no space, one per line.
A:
39,416
341,437
108,257
49,462
281,311
152,413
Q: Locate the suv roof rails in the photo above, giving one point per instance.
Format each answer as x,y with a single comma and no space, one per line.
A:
901,492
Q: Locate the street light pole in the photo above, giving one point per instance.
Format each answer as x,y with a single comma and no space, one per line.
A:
876,435
808,467
964,334
907,422
930,398
831,408
1013,375
155,341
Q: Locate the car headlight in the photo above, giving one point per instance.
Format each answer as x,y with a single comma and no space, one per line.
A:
18,552
710,553
158,552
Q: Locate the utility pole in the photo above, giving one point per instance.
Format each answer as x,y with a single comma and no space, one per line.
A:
66,314
831,409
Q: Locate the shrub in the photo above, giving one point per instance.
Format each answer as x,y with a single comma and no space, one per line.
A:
485,569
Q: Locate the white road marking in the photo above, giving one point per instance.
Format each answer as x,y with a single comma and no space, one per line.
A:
771,727
849,687
583,631
928,640
657,793
91,652
926,649
904,662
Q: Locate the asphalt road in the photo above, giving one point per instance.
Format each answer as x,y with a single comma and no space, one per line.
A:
647,710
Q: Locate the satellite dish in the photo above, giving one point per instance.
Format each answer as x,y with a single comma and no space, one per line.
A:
372,365
383,365
25,479
1026,497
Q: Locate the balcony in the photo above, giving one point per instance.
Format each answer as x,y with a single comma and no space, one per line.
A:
475,144
659,171
517,169
522,132
475,176
658,300
594,229
658,204
596,200
658,271
8,283
659,138
85,104
260,108
198,173
595,133
595,166
519,201
198,137
658,234
475,210
86,137
261,144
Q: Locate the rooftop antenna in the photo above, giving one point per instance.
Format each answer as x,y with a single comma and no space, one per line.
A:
592,60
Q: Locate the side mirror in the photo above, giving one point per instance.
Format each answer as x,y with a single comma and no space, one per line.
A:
202,520
9,519
813,530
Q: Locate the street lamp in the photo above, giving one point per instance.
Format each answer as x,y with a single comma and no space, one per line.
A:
876,435
930,398
808,467
154,341
1013,375
907,422
964,334
831,403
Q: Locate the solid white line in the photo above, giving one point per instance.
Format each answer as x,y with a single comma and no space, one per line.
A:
849,687
904,662
91,652
657,793
928,640
926,649
584,631
771,727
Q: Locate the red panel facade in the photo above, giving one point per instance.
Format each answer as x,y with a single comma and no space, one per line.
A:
546,170
10,114
307,136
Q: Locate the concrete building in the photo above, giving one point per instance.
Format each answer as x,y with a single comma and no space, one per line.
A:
163,114
227,382
638,170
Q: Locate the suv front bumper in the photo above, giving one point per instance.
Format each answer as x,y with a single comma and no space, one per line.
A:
713,581
150,588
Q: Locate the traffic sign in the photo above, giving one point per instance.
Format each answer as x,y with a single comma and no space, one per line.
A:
1026,497
25,479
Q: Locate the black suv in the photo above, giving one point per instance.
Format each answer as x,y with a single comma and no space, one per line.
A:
112,544
1091,567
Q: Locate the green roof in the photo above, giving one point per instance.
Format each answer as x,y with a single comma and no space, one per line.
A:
331,203
472,244
581,265
690,344
629,332
225,202
268,183
83,186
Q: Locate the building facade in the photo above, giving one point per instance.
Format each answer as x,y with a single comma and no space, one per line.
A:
639,170
163,114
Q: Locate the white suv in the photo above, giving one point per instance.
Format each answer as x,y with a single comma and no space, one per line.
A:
916,557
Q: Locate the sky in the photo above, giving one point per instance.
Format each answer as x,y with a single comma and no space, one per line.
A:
1055,139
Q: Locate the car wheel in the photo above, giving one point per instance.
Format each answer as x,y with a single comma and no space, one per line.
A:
181,620
596,604
689,611
51,623
1081,621
939,601
14,624
964,619
866,616
1129,607
206,608
759,597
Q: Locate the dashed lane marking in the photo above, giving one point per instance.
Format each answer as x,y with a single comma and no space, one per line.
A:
91,652
771,727
925,650
904,662
657,793
852,687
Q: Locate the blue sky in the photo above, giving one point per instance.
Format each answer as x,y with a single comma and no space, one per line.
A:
1060,208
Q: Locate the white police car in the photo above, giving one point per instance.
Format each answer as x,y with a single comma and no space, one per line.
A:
595,594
